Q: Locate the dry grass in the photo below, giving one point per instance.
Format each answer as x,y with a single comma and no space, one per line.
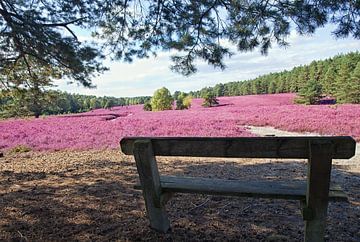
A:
89,196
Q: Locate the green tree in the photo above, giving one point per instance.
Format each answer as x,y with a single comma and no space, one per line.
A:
303,78
39,33
26,82
103,102
313,71
176,95
281,84
194,27
342,81
219,90
183,101
187,102
44,29
329,81
311,93
109,103
94,103
210,99
161,100
16,104
86,103
294,77
60,103
354,86
147,106
272,87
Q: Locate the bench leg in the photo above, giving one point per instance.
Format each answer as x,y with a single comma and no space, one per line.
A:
317,195
150,183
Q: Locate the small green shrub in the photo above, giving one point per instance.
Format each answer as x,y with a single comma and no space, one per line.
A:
210,101
299,100
183,101
147,106
161,100
20,149
187,102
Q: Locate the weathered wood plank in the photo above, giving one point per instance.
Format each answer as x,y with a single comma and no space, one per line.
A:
317,195
295,190
150,183
243,147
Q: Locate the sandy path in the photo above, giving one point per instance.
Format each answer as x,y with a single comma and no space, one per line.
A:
353,163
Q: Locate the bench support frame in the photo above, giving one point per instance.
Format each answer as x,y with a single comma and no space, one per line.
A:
150,183
317,194
314,201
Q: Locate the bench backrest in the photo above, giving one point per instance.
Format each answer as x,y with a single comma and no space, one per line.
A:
314,194
340,147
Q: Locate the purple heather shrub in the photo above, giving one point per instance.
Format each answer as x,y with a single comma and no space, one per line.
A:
101,128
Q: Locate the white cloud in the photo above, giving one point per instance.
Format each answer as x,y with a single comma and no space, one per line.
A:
144,76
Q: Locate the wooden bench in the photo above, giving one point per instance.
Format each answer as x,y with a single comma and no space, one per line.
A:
314,193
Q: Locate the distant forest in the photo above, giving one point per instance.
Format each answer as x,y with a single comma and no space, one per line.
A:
337,77
19,103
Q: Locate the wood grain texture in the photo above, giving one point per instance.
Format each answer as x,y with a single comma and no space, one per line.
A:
150,183
313,194
295,190
317,195
343,147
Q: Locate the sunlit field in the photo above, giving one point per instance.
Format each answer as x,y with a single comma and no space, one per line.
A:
103,128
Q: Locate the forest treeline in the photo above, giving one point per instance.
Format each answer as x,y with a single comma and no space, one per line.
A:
337,77
19,103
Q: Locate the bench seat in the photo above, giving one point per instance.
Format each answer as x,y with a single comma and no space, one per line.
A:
296,190
314,193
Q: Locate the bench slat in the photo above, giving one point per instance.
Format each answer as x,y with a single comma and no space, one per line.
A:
295,190
243,147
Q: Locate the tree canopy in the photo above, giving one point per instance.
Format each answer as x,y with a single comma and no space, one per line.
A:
209,97
161,100
197,29
44,30
39,34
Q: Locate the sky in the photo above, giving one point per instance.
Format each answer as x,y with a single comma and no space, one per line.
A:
142,77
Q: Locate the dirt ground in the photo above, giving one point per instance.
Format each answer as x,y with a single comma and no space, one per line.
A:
89,196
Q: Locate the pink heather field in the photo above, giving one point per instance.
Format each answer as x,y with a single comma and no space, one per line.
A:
101,129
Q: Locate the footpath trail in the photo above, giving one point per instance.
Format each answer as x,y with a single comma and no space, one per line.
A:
352,164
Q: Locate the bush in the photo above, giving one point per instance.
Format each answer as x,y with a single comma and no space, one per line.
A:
179,104
20,149
183,101
162,100
209,100
187,102
147,106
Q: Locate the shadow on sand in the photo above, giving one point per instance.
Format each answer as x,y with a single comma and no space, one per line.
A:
95,201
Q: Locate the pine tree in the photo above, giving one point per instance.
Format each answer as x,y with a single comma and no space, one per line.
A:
294,80
303,78
210,99
329,81
272,87
313,71
354,86
342,81
311,93
45,30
